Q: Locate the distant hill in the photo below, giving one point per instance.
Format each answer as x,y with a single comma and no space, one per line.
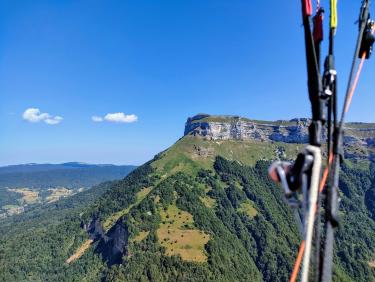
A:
32,167
202,210
22,186
70,175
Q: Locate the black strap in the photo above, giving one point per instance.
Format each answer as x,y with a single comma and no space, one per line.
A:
314,85
325,255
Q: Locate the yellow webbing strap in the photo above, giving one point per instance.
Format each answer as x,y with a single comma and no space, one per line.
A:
333,14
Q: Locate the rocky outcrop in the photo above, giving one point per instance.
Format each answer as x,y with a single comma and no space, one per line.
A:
228,127
112,246
95,230
359,138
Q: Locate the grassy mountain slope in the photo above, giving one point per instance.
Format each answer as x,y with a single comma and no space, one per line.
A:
200,211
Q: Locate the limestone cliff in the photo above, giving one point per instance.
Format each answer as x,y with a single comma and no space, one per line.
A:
359,138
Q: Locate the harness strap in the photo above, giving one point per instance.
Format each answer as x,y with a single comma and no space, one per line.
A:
318,26
334,19
313,198
306,8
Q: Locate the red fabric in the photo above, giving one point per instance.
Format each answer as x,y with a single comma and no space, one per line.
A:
306,8
318,27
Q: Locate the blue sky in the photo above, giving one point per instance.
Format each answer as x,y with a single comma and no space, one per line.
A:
160,61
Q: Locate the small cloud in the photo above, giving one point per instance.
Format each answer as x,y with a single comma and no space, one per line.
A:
116,117
35,115
96,119
53,120
120,117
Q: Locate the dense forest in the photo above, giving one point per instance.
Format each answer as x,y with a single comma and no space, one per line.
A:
227,223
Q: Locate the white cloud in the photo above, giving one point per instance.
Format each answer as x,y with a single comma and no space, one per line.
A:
120,117
35,115
116,117
96,119
53,120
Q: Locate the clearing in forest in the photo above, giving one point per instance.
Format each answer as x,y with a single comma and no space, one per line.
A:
141,236
208,202
28,196
178,235
80,251
57,193
248,209
13,209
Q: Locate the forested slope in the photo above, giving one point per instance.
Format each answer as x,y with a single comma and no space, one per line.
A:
188,215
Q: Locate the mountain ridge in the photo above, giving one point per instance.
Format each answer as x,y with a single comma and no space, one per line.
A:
202,210
359,138
44,166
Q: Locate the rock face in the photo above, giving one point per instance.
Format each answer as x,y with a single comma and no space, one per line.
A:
357,135
237,128
111,246
95,230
